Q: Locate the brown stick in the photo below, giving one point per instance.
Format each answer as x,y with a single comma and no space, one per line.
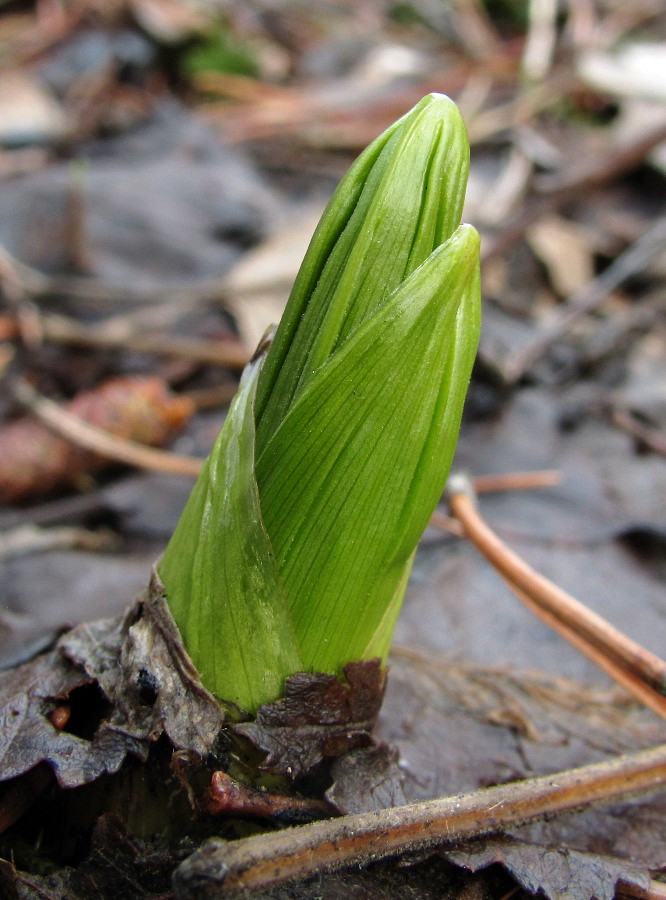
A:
630,655
633,685
603,167
85,435
222,868
655,891
647,436
229,353
553,191
515,481
633,260
509,481
226,797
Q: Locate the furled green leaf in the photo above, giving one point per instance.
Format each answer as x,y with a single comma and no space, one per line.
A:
222,583
349,478
401,199
294,554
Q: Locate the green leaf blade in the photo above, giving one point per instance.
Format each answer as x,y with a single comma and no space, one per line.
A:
408,202
371,435
221,579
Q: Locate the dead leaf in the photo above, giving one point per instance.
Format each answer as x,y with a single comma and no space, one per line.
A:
147,687
148,677
566,251
27,737
365,779
34,461
258,286
560,874
460,727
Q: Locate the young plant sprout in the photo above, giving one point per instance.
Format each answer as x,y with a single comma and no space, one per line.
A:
294,548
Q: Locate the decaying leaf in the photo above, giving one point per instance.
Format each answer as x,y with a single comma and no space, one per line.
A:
27,695
566,251
319,716
367,778
147,687
556,873
459,727
259,283
148,677
34,460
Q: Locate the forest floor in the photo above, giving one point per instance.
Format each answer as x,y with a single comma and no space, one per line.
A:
163,165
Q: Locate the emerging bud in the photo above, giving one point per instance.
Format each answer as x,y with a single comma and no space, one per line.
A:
294,549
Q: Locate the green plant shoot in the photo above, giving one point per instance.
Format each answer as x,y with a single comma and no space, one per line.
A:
294,548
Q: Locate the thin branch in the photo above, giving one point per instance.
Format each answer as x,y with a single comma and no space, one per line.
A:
633,260
230,353
647,436
655,891
99,441
445,523
541,39
261,862
22,282
592,628
516,481
554,190
633,685
603,167
509,481
520,109
226,797
26,540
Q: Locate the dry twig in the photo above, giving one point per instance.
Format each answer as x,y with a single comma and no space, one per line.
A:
574,618
555,190
229,353
95,439
646,436
257,863
633,685
28,539
515,481
633,260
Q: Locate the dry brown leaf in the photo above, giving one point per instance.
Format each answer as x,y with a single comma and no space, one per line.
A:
34,461
148,687
565,250
319,716
553,872
258,285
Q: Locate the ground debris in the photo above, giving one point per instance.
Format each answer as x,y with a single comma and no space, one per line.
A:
367,778
568,163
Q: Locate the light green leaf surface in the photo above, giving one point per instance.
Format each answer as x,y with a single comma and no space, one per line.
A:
401,199
349,478
294,549
223,586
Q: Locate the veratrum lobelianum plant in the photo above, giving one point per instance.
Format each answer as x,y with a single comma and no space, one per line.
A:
294,548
